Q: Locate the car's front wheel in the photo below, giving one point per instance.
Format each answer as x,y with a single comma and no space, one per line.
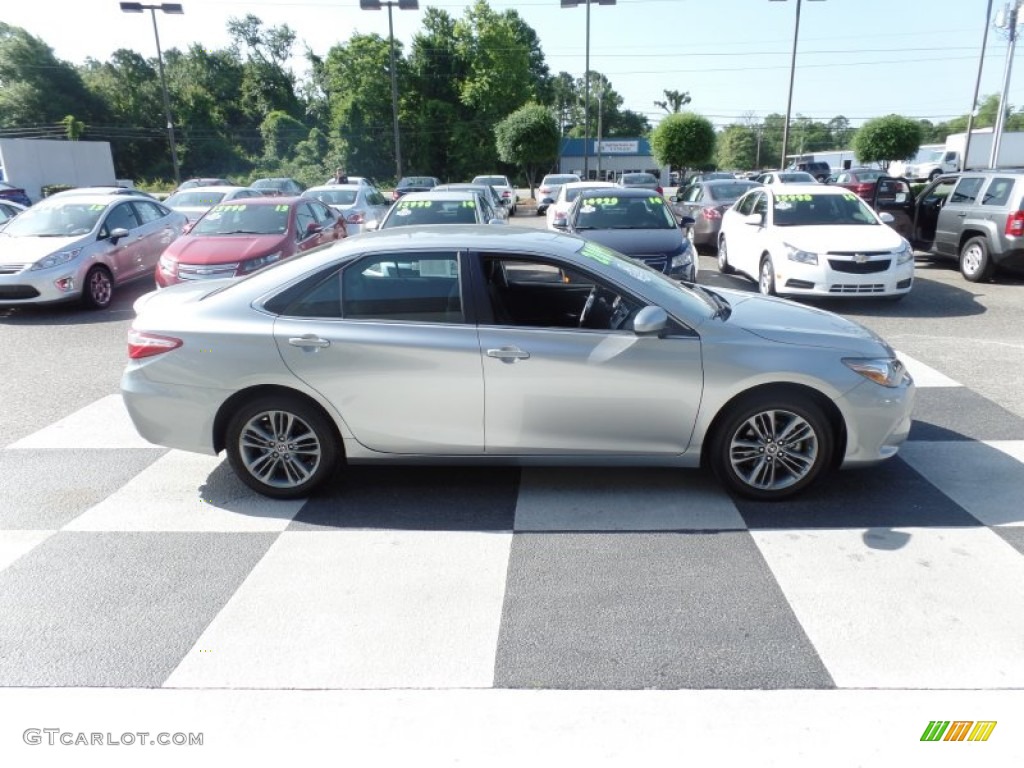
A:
975,261
771,445
723,257
98,291
281,446
766,279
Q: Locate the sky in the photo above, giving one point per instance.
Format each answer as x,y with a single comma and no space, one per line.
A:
856,58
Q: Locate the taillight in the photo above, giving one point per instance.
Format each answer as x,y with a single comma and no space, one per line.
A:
1015,224
394,194
506,193
560,216
863,189
711,213
545,190
355,218
149,344
660,191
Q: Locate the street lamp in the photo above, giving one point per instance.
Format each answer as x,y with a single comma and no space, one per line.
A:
403,5
977,87
792,73
586,82
1008,19
166,8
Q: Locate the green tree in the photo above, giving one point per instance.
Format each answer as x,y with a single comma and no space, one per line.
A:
281,134
267,84
684,140
736,147
73,127
528,138
674,101
885,139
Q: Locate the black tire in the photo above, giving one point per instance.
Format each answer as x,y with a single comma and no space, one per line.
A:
302,456
98,291
766,276
975,262
771,445
723,258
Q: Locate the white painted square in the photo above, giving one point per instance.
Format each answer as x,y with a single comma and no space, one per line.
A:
913,608
985,478
102,424
360,609
610,499
14,544
175,493
924,375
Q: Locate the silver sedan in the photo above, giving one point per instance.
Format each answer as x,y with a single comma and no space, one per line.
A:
505,345
362,206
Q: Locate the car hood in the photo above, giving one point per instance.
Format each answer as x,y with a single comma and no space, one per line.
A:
844,238
27,250
787,322
636,241
223,249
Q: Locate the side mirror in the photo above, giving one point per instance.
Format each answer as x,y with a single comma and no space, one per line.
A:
117,234
886,217
686,222
313,228
650,321
753,219
188,227
673,198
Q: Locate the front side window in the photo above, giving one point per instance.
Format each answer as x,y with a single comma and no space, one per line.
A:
746,205
410,287
121,217
966,192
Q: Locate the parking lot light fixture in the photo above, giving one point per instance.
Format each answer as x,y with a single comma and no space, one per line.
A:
586,82
792,73
403,5
175,8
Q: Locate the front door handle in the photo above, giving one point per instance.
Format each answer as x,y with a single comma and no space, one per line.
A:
309,341
508,354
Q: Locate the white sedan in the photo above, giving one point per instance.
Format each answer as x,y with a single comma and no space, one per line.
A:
814,241
567,193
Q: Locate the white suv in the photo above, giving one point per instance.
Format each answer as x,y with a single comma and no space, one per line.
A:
505,189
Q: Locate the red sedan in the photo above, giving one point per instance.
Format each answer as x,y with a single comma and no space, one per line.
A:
860,181
241,237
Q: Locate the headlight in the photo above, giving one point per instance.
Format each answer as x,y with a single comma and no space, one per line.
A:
258,263
905,254
887,371
684,258
56,259
804,257
168,265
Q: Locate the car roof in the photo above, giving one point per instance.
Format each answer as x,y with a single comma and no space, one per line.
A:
95,199
589,184
335,187
442,194
806,189
214,188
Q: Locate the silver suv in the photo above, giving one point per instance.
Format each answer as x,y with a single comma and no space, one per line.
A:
976,217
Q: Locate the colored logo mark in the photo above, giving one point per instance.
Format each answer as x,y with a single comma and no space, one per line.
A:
958,730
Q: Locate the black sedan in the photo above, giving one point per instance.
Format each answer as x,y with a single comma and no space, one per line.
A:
637,223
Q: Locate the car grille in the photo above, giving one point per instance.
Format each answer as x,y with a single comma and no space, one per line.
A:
206,272
859,267
10,269
18,292
656,261
857,288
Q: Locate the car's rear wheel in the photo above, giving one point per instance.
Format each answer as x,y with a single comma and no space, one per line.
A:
772,445
723,258
281,446
98,291
975,261
766,278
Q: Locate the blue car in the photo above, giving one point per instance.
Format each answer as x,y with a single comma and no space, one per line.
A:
14,194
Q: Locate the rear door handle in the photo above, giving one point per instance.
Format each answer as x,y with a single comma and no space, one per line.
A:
309,341
508,354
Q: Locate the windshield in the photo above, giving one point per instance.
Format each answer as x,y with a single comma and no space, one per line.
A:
408,212
56,220
244,219
931,156
335,196
194,199
726,193
807,210
614,212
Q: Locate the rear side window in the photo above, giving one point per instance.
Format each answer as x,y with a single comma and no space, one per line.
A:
998,192
966,192
414,287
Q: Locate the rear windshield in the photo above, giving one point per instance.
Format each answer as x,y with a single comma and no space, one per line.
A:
416,181
560,179
493,181
727,192
335,196
194,199
638,178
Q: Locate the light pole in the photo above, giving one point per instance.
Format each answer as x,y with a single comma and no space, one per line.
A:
166,8
1010,20
977,86
586,82
792,74
403,5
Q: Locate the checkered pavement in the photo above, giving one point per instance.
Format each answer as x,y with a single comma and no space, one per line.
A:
130,566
